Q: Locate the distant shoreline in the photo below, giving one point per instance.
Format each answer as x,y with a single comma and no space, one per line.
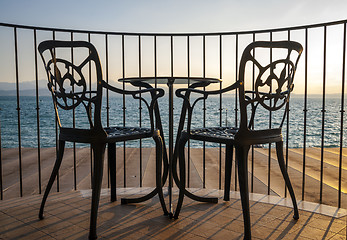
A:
45,93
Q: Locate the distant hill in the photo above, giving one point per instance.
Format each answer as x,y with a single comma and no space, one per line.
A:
6,86
28,92
27,88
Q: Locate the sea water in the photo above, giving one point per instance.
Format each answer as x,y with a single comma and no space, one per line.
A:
128,109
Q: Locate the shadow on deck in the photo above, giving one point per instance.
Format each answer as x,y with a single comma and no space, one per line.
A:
67,217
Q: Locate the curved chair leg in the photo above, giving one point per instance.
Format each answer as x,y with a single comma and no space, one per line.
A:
159,180
59,158
182,181
177,181
280,158
112,165
159,125
228,168
159,184
99,151
242,159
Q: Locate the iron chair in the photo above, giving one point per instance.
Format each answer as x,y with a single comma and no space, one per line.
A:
271,90
69,88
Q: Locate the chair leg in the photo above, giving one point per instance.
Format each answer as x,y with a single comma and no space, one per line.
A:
112,166
159,157
59,158
99,151
280,158
242,159
182,181
228,168
158,175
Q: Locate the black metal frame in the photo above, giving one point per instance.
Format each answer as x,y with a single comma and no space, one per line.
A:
243,137
60,72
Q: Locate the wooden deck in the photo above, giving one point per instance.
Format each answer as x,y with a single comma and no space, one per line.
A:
67,217
30,176
67,212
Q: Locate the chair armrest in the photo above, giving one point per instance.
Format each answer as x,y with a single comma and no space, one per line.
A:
155,92
188,107
136,94
206,93
188,91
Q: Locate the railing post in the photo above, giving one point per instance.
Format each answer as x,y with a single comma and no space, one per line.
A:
220,109
37,112
123,72
305,120
1,184
342,112
18,115
323,115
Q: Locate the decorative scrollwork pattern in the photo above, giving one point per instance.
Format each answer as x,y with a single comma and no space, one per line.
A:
273,84
67,83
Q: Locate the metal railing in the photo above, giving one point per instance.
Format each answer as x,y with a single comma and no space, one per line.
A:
126,54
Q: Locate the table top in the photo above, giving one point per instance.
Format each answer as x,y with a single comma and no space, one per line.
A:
165,80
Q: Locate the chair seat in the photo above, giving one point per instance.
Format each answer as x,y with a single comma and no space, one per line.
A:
227,135
115,134
214,134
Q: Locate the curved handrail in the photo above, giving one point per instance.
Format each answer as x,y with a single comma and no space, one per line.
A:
177,34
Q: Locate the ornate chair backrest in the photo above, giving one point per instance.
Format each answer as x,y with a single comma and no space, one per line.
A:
66,79
271,79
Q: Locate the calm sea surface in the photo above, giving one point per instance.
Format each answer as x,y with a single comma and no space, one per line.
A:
29,133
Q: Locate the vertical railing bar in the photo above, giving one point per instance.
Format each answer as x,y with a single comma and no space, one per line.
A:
73,123
90,96
171,123
188,68
124,145
305,120
140,111
323,115
252,152
172,120
18,115
37,112
204,112
287,136
107,103
107,91
270,123
155,63
220,111
342,113
236,96
56,129
1,180
1,184
172,54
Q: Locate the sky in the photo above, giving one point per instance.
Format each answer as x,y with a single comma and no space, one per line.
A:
181,16
171,16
